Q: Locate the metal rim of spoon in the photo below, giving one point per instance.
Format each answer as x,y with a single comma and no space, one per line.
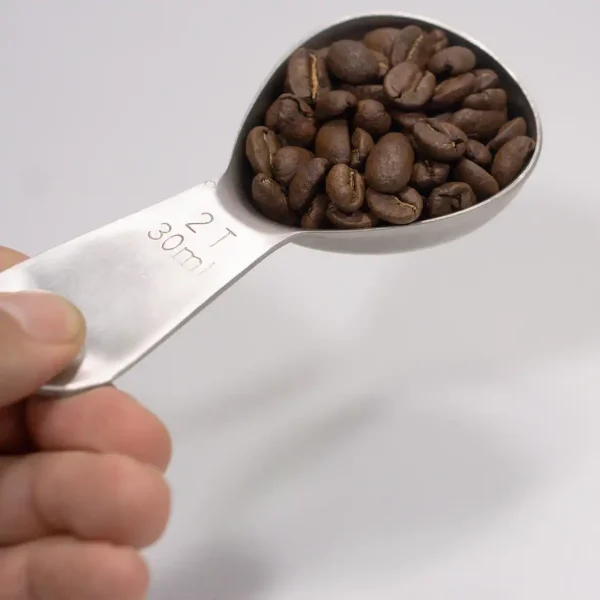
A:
141,278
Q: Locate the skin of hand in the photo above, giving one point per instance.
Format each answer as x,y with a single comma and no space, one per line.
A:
82,486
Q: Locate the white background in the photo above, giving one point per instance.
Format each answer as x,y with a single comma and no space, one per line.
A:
422,426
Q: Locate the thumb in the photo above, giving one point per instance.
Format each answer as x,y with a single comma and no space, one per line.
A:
40,334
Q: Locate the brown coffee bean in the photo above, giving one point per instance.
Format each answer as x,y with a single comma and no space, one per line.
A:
412,45
270,200
381,39
452,90
453,60
315,217
334,103
439,140
428,174
384,65
449,198
333,142
286,162
372,117
478,153
307,75
511,159
352,62
407,120
261,145
389,165
369,91
485,79
492,99
438,39
507,132
443,117
401,208
409,87
293,119
481,182
345,188
305,184
342,220
479,124
362,144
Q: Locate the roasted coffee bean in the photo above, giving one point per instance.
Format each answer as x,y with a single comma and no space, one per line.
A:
333,142
507,132
372,117
485,79
511,158
293,119
307,75
305,184
407,120
478,153
270,200
412,45
450,198
261,145
401,208
439,140
316,217
479,124
362,144
384,65
381,40
322,52
452,90
409,87
389,165
345,188
453,60
428,174
438,39
481,182
286,162
369,91
334,103
443,117
492,99
352,62
356,220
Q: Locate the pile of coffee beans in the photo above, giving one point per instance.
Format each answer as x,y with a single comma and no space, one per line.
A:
398,127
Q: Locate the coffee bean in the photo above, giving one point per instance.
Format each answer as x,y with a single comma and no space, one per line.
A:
485,79
322,52
381,39
270,200
369,91
452,90
412,45
362,144
261,145
453,60
507,132
479,124
372,117
315,217
333,142
492,99
384,65
293,118
334,103
342,220
352,62
389,165
428,174
409,87
345,188
443,117
407,120
305,184
438,39
439,140
478,153
286,162
401,208
481,182
307,75
450,198
511,158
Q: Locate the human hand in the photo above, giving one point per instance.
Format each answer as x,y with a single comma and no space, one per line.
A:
81,479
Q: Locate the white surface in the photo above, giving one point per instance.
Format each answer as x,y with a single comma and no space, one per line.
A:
423,426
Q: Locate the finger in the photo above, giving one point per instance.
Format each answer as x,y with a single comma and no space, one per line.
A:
90,496
103,420
63,568
40,334
9,258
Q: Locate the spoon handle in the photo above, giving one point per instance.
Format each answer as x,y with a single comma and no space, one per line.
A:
140,278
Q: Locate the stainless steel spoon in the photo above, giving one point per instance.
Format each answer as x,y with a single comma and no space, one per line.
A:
139,279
